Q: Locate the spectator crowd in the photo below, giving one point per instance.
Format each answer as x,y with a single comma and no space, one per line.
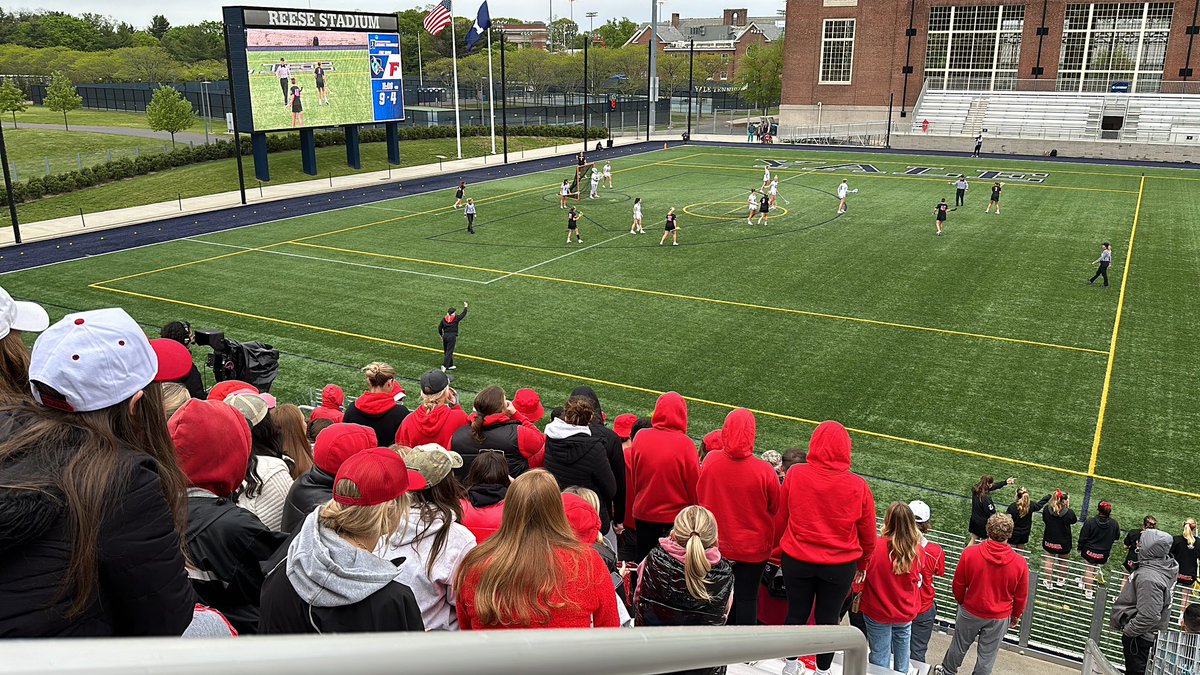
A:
133,502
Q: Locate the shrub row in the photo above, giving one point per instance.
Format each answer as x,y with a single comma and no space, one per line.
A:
119,169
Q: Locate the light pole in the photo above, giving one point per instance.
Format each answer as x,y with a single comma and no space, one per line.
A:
592,20
207,108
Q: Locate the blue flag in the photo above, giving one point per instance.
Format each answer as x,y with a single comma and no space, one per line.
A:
483,21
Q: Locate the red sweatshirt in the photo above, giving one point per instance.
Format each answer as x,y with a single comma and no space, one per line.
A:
888,597
992,581
742,492
589,600
423,426
332,398
826,514
933,564
666,464
629,485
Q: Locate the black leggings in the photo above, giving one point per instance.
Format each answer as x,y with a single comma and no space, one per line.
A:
1101,271
746,579
648,535
818,590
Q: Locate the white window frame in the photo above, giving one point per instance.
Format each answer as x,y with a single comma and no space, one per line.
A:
824,40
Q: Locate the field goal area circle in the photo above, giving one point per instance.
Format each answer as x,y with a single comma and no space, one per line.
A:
777,211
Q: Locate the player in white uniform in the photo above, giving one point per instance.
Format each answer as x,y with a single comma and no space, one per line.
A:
766,176
842,191
608,175
774,190
595,183
752,205
636,228
563,193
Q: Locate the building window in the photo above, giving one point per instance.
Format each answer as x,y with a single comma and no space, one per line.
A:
974,47
1105,44
837,51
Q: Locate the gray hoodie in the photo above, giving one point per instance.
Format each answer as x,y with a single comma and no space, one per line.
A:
328,571
1144,606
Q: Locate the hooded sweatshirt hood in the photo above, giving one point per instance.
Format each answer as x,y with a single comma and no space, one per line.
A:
212,442
583,518
431,423
328,571
332,396
829,448
559,429
670,413
375,403
1154,550
738,433
679,552
997,552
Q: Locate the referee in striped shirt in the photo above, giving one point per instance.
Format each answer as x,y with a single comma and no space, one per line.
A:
1103,261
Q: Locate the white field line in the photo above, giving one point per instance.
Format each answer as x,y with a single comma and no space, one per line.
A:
547,262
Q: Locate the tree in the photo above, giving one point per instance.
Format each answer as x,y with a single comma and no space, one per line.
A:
616,32
169,111
672,74
12,100
148,64
761,74
159,26
561,33
143,39
61,96
199,42
710,66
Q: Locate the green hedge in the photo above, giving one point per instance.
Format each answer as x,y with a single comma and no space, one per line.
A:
119,169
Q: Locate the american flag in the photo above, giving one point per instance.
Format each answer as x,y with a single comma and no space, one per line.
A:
438,18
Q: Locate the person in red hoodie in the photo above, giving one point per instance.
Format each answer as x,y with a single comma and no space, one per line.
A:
437,417
933,564
377,407
666,467
332,398
991,587
742,493
496,425
826,530
891,596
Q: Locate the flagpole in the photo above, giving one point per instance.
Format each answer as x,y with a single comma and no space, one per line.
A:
454,61
420,67
491,90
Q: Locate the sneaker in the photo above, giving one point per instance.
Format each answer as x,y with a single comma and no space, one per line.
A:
660,243
1090,595
452,368
1060,582
1079,582
937,670
1047,584
793,667
674,243
443,368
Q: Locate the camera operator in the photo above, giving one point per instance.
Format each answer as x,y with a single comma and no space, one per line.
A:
181,332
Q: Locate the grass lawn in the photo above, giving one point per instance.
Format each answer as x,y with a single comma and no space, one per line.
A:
29,149
221,176
37,114
983,351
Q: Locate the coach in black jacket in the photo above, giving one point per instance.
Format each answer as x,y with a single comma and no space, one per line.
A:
448,329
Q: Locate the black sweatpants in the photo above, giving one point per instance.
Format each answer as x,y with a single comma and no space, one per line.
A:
448,341
1137,653
747,577
819,590
648,535
471,223
283,84
959,196
1102,271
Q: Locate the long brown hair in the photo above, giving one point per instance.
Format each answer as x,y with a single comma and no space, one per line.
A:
85,466
519,572
487,402
293,436
900,524
983,486
14,369
695,529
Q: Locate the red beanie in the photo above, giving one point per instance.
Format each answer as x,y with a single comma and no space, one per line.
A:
338,442
212,442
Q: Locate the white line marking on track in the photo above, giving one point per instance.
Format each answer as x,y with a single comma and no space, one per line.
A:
547,262
385,208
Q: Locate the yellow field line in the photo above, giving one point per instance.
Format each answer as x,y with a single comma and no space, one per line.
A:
1144,486
1112,345
717,301
884,175
581,378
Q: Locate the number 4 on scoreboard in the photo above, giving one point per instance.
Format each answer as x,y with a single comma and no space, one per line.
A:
386,97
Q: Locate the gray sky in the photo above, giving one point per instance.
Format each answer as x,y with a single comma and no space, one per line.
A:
138,12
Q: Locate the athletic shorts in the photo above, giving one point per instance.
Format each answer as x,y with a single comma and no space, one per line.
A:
458,194
572,226
320,83
1094,557
669,228
1055,549
941,217
1186,581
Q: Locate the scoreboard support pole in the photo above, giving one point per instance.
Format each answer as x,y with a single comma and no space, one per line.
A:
308,151
353,155
258,145
237,132
393,142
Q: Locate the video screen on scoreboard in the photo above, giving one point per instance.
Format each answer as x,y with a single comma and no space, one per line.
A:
322,78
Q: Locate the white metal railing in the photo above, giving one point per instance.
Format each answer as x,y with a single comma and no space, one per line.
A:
1175,653
638,651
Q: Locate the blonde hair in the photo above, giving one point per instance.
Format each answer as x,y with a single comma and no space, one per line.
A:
1059,502
174,395
379,373
1189,531
293,435
431,401
520,580
900,524
1023,502
589,496
696,530
362,522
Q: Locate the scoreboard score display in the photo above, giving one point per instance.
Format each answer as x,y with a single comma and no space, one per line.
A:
314,68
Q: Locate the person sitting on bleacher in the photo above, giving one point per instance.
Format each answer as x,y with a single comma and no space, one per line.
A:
334,445
332,398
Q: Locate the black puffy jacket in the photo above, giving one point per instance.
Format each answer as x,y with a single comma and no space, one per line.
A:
312,489
142,588
662,598
575,456
228,547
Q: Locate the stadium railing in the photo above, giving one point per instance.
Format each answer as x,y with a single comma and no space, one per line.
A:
637,651
1175,654
1094,662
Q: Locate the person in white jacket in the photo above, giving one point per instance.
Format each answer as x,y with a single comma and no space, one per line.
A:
430,539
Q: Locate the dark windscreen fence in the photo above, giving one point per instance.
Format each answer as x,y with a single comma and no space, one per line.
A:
135,96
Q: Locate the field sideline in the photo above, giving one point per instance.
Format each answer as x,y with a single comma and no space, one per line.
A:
979,352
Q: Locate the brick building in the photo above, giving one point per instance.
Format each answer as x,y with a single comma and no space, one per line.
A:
525,35
845,57
728,36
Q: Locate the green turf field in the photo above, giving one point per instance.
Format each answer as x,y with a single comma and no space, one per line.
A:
348,84
982,351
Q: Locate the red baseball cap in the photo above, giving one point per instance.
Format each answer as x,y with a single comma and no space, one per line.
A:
223,390
380,476
528,403
623,425
339,442
174,360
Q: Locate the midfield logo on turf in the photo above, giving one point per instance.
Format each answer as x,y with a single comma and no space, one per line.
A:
930,171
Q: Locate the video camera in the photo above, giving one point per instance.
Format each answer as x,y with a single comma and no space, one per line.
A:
253,362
